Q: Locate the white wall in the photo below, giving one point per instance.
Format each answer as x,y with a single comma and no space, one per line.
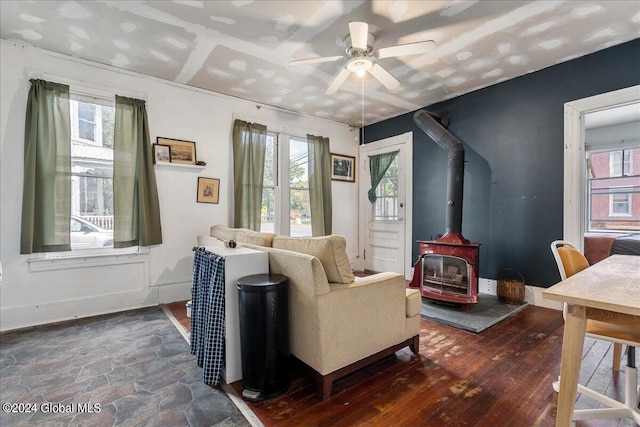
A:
29,297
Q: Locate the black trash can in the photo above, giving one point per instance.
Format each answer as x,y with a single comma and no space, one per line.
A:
264,335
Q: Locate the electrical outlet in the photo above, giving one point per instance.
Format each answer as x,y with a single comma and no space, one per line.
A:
487,286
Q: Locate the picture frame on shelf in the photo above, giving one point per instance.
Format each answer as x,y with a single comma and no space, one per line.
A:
183,152
343,167
161,153
208,190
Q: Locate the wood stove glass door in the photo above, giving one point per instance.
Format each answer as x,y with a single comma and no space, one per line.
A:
446,273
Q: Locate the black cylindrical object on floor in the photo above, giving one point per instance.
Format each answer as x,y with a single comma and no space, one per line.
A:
264,335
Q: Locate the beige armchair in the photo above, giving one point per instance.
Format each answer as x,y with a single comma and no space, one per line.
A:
338,323
338,328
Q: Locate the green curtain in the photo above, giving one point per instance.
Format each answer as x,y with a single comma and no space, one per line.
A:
135,194
320,185
46,196
378,166
249,148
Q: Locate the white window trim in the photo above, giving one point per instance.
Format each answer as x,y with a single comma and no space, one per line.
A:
574,223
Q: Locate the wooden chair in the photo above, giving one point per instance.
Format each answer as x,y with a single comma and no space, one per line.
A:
571,261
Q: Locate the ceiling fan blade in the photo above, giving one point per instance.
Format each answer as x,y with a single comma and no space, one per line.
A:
315,60
384,77
359,32
406,49
337,81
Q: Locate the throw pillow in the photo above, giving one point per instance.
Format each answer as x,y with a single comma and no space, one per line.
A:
330,250
244,235
222,232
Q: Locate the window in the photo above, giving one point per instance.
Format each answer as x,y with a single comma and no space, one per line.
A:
80,193
385,207
268,216
620,203
613,191
285,203
86,121
299,205
92,122
620,163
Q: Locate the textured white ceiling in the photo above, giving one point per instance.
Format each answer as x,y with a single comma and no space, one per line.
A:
242,48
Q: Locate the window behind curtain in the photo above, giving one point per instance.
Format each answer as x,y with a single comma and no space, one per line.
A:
300,208
285,203
268,216
92,122
385,208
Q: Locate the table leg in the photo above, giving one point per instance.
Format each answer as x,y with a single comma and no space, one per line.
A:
572,343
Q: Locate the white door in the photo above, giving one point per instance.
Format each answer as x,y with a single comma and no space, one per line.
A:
386,226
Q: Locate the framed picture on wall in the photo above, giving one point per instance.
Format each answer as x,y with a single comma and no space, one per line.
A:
208,190
181,151
343,168
161,153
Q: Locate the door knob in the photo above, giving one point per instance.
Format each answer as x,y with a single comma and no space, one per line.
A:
402,205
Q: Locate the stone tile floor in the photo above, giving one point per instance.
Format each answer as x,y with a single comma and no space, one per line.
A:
123,369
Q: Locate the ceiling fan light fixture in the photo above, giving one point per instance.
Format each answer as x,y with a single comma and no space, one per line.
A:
360,65
362,58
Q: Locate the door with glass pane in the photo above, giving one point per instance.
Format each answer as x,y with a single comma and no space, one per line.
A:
385,227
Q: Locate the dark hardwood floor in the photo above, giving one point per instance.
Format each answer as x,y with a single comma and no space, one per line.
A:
500,377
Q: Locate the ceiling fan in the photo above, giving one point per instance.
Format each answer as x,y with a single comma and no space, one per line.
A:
361,57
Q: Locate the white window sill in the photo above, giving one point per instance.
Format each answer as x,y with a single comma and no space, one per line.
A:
71,260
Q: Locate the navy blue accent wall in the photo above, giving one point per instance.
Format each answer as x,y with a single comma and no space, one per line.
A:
513,133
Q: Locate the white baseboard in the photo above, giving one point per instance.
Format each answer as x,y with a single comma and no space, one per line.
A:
532,294
33,315
173,292
487,286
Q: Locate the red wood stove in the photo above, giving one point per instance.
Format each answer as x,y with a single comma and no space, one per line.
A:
447,268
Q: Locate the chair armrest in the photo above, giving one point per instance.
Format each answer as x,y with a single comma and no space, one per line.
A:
379,277
359,319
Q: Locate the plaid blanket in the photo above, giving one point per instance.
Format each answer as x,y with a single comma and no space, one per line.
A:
207,313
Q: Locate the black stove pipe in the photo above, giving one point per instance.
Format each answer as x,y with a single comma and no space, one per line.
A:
455,172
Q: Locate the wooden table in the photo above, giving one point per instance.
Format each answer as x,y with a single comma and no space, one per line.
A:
607,291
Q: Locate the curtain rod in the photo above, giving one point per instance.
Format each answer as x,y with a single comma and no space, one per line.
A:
83,87
159,80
